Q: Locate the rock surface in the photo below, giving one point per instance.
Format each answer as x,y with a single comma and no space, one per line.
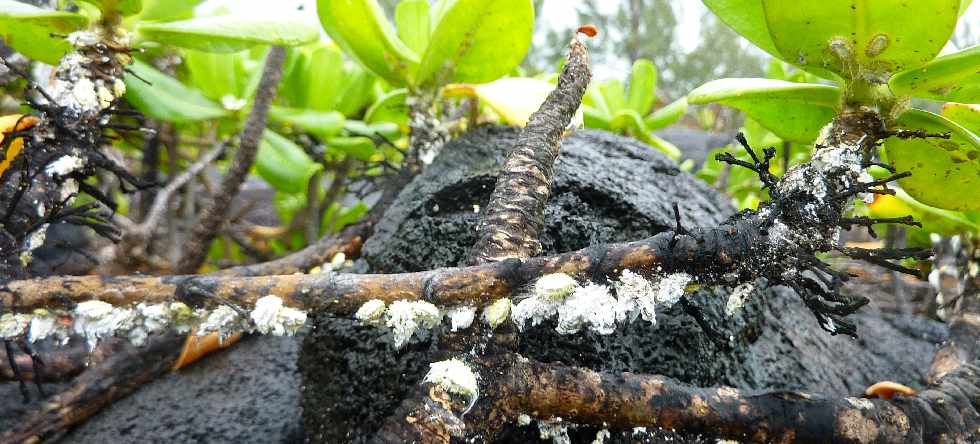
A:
606,189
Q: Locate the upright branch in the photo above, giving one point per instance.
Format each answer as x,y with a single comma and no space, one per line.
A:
514,218
215,212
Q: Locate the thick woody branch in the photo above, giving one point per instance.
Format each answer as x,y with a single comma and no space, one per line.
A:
55,366
515,215
111,377
945,412
215,213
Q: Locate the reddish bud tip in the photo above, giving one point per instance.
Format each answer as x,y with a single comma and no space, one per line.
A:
589,30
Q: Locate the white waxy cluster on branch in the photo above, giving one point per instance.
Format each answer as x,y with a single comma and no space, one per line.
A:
497,312
453,376
270,316
404,318
460,318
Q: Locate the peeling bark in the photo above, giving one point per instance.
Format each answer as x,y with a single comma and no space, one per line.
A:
513,220
945,412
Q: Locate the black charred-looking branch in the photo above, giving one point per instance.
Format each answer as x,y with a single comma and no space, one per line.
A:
215,213
945,412
514,217
113,374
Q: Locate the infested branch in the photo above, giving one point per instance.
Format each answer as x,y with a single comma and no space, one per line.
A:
945,412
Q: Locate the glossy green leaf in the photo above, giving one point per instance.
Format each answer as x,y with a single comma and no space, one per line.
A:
746,17
614,95
630,122
361,128
232,33
390,108
860,38
356,91
167,10
477,41
643,86
165,98
29,29
121,7
964,114
361,29
216,75
323,124
952,77
359,147
412,21
283,164
667,115
945,172
793,111
933,220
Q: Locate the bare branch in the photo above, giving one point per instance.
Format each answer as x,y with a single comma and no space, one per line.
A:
214,214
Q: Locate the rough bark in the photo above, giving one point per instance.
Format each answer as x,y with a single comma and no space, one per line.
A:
216,211
945,412
56,365
514,218
118,375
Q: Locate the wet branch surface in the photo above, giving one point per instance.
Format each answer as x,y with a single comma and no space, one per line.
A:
946,412
216,211
515,215
116,372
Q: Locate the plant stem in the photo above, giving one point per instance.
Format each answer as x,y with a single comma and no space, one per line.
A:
214,214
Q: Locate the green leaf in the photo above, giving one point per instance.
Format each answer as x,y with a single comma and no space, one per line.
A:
359,147
120,7
631,123
746,17
952,77
361,29
662,145
793,111
945,173
356,91
595,109
390,108
28,29
412,21
614,95
232,33
667,115
933,220
643,86
283,164
360,128
167,10
967,115
165,98
323,124
216,75
477,41
860,38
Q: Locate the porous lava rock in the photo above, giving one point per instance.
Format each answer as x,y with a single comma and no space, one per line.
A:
606,188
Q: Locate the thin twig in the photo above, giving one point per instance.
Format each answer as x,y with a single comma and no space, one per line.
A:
214,214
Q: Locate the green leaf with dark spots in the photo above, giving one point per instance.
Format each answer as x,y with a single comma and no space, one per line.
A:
945,172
